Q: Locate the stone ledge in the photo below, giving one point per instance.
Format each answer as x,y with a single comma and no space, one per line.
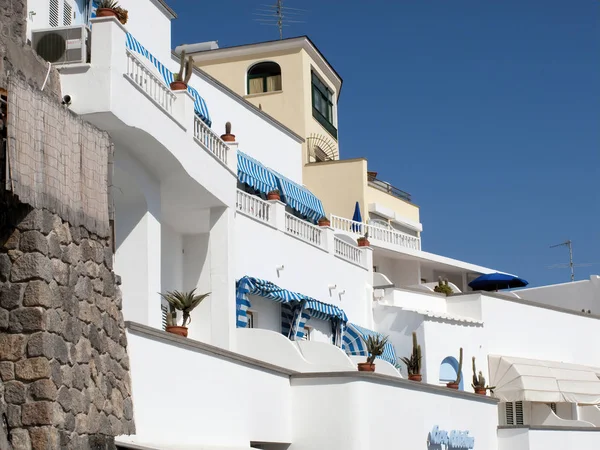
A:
546,428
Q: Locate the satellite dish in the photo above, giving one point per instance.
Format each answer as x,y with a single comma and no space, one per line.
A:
51,47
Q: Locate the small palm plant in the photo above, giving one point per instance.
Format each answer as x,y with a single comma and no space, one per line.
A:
375,346
413,362
184,302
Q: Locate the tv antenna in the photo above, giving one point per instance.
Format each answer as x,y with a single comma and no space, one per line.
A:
569,244
278,15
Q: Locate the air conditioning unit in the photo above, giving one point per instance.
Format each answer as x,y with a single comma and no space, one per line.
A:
62,45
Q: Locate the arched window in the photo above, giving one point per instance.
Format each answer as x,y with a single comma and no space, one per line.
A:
448,372
264,77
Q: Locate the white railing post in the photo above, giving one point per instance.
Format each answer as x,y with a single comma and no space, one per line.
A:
277,214
108,44
367,258
328,239
183,109
232,156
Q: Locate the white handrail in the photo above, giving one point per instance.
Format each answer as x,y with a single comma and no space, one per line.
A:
374,232
150,83
209,139
348,251
253,206
303,230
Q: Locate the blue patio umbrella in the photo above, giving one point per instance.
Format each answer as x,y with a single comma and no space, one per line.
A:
496,281
356,218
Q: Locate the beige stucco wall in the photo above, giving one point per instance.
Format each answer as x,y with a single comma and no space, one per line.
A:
292,106
339,185
404,208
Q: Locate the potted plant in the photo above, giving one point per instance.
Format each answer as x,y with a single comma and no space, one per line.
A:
274,195
228,137
413,362
111,8
375,347
184,302
443,287
182,78
324,222
363,241
478,384
454,384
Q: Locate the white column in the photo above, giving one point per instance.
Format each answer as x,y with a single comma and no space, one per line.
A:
232,156
222,276
154,265
277,214
183,110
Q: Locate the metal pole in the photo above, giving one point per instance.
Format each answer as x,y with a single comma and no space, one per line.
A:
571,260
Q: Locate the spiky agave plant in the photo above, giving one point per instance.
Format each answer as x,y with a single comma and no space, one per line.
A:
184,302
413,362
108,4
375,347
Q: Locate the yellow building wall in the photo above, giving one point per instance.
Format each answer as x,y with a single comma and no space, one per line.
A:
287,105
403,208
339,185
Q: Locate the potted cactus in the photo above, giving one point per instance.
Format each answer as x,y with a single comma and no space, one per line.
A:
443,287
111,8
228,137
274,195
456,383
184,302
363,241
479,382
413,362
375,347
324,222
182,78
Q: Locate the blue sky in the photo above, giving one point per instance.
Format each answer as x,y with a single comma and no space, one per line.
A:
486,111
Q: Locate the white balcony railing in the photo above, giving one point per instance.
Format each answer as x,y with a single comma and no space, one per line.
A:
153,86
374,232
348,251
209,139
303,230
253,206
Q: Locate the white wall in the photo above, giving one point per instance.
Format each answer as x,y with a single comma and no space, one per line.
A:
172,259
524,439
260,249
400,272
575,296
196,274
186,397
351,414
267,313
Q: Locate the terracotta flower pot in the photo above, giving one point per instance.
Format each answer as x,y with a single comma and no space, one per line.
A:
324,223
363,242
452,385
179,331
481,391
178,86
106,12
415,377
273,196
228,137
366,367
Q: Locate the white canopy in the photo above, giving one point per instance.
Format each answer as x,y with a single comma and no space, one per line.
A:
533,380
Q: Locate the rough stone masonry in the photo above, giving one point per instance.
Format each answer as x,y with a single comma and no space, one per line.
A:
63,358
64,369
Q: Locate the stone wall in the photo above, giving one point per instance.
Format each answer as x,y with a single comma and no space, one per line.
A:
63,349
16,56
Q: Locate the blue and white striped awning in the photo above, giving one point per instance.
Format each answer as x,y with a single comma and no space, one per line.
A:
355,338
254,174
199,104
300,198
297,308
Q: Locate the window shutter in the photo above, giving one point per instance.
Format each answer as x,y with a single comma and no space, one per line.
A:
553,407
510,417
53,13
519,413
67,14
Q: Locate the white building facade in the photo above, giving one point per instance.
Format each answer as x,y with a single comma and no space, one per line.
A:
268,362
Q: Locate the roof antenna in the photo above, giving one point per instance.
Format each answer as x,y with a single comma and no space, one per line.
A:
277,15
571,265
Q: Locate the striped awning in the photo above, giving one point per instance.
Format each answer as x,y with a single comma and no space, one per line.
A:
355,338
297,308
301,199
254,174
199,104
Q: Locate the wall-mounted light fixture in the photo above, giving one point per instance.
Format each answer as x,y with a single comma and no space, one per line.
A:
342,292
279,269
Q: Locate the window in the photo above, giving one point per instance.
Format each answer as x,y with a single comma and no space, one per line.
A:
514,413
264,77
53,14
250,316
307,334
322,101
553,407
67,13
